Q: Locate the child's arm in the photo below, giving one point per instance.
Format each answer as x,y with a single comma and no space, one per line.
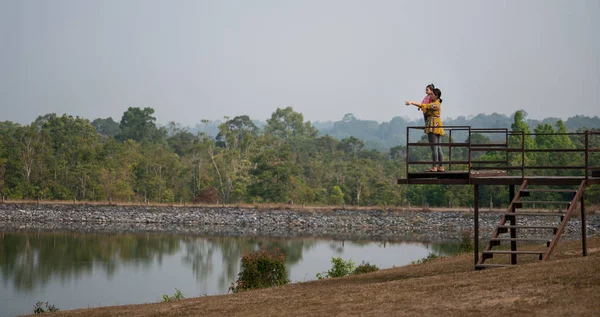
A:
412,103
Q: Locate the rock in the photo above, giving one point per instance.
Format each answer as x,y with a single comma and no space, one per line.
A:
340,223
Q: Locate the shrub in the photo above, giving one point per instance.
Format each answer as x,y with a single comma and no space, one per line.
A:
177,296
365,268
337,196
466,242
261,269
339,268
429,257
208,195
38,308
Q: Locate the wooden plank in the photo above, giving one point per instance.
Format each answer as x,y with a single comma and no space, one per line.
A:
521,239
562,202
527,227
513,252
435,181
503,180
548,214
439,175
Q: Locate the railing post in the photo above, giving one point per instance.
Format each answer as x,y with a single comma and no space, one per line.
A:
450,151
522,154
506,151
407,150
587,152
476,222
513,231
469,153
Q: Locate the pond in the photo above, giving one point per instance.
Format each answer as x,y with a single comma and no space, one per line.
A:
79,270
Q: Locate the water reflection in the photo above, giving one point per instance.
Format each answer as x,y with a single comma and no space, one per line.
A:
198,254
75,270
30,259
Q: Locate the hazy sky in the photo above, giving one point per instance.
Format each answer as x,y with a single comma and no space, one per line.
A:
193,60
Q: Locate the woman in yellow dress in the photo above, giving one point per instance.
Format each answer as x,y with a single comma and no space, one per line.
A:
433,128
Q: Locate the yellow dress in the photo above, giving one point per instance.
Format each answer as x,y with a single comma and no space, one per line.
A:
434,123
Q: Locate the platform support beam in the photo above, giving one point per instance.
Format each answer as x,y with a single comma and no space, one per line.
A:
513,222
476,223
583,227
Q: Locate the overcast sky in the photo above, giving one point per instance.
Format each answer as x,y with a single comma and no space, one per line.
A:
200,59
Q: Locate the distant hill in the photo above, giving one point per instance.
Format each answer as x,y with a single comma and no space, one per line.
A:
382,136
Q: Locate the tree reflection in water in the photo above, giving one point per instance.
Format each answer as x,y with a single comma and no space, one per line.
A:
199,252
30,259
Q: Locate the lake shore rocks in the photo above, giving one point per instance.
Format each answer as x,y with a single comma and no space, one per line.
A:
374,224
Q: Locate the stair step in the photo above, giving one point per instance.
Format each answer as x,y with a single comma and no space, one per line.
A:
542,202
542,190
484,265
527,227
513,252
521,239
508,214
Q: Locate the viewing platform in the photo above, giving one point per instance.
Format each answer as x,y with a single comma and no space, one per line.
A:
477,157
510,164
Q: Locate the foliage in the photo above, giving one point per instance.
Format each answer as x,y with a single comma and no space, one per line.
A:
139,125
336,197
339,268
38,308
284,160
466,242
261,269
178,295
428,258
365,267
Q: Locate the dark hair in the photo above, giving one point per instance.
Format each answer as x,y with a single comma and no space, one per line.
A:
438,93
430,86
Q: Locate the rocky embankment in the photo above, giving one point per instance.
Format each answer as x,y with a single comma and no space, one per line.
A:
357,224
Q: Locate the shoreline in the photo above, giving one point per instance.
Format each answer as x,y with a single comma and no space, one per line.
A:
363,224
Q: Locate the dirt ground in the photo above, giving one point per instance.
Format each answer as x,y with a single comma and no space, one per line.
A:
567,284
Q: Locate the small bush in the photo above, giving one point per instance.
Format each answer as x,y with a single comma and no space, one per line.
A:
261,269
38,308
339,268
365,268
177,296
466,242
429,257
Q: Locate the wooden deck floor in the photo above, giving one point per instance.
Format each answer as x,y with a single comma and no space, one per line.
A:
490,178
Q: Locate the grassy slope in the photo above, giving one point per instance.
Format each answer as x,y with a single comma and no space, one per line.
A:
568,284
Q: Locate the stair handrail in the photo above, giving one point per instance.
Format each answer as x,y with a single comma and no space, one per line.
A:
565,220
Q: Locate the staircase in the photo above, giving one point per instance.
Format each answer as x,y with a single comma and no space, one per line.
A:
545,235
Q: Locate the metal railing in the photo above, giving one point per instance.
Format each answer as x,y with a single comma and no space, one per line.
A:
509,142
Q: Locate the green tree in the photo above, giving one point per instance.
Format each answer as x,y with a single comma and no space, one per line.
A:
107,127
336,197
286,123
139,125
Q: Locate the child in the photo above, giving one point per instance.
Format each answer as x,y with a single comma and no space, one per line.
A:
428,91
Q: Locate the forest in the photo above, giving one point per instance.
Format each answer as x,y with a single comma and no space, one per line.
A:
240,161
